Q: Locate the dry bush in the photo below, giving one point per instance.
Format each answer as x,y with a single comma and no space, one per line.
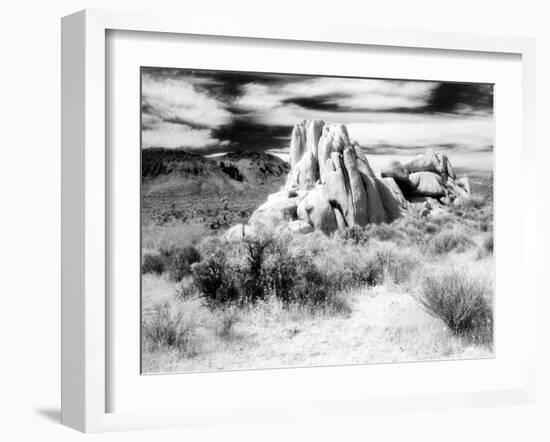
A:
178,261
451,240
378,232
486,247
215,280
153,263
261,267
473,202
347,265
165,327
459,299
226,322
396,263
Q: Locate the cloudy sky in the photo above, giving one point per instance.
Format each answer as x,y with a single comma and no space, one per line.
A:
217,111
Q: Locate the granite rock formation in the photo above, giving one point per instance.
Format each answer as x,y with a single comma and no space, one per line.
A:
331,185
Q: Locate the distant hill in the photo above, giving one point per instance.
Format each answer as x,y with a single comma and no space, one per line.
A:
180,184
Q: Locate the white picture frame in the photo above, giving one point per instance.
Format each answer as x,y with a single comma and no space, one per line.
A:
85,233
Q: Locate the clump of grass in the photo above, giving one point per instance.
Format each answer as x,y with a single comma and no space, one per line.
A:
378,232
472,202
396,263
153,263
451,240
165,327
346,265
186,290
459,299
225,327
178,261
486,247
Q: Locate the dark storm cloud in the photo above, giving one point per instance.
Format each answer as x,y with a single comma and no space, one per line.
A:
244,134
318,102
461,98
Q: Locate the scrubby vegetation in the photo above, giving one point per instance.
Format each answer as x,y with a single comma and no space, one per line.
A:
451,240
153,263
460,300
228,300
165,327
176,261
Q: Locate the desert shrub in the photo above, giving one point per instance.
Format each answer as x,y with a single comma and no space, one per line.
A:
384,232
292,277
458,299
186,290
348,266
413,230
337,304
311,287
378,232
260,268
253,279
473,202
153,264
394,263
486,247
178,261
166,328
214,278
225,327
450,240
355,234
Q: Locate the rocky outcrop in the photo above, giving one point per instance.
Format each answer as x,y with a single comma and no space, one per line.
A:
237,232
331,185
428,175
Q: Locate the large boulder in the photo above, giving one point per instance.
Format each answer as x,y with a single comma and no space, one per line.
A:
274,212
427,184
334,138
297,144
357,195
314,129
446,165
392,199
316,210
335,186
427,162
238,232
305,173
297,226
394,169
375,206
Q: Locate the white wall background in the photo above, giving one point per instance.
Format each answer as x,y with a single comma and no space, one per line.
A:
30,220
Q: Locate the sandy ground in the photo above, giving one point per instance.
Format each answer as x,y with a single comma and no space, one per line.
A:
385,325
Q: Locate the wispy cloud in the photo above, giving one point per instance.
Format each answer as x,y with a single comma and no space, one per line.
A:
343,93
212,111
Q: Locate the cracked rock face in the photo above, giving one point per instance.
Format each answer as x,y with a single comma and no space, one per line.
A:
331,185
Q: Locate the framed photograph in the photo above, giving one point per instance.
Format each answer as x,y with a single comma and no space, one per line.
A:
264,224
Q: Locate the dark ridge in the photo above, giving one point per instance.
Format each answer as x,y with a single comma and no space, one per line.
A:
160,161
231,171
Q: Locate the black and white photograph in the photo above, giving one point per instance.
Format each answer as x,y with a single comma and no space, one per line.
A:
302,220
